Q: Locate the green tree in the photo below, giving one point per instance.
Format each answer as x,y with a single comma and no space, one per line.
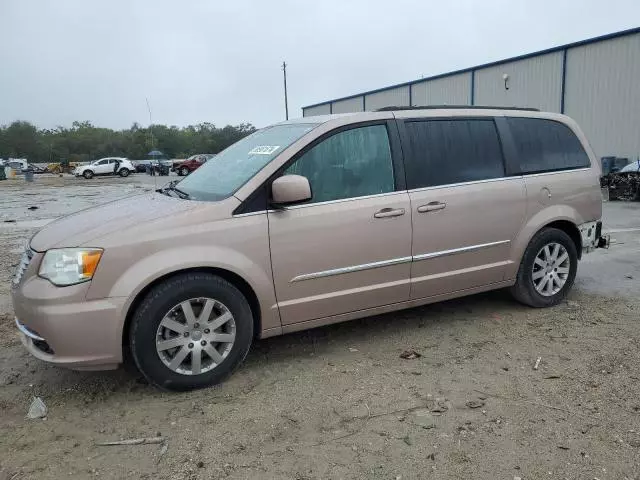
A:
84,141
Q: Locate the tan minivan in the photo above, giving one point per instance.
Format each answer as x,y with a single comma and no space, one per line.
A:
310,222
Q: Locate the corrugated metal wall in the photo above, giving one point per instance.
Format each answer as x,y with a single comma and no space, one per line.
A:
347,106
603,94
534,82
453,90
318,110
387,98
601,90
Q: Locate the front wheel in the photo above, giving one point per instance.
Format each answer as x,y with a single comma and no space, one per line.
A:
547,270
88,174
191,331
124,172
184,171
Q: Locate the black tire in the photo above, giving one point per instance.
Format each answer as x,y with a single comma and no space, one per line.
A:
524,289
159,301
88,174
183,172
124,172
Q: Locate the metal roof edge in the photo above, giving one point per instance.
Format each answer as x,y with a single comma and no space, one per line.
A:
600,38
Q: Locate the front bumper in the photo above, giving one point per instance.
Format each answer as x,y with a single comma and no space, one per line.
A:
59,326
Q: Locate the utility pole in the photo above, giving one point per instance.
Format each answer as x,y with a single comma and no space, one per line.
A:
150,123
286,105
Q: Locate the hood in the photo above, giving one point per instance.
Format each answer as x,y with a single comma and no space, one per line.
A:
80,228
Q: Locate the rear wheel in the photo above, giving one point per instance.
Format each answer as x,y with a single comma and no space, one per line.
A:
547,270
124,172
88,174
191,331
184,171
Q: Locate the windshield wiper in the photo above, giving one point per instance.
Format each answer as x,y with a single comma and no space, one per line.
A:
172,188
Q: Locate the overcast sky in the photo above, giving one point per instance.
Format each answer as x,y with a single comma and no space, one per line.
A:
219,61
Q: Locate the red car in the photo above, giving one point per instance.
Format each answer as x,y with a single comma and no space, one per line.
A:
190,164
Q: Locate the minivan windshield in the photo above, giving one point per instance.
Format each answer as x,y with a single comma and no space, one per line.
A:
225,173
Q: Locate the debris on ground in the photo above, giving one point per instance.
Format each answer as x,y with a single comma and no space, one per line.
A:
163,450
33,207
9,221
353,350
422,418
37,409
134,441
535,367
475,403
410,354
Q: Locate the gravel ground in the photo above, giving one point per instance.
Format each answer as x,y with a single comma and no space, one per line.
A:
339,402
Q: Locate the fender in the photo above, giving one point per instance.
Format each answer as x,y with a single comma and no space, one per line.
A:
148,269
544,217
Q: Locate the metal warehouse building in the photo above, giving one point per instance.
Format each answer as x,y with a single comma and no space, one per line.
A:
595,81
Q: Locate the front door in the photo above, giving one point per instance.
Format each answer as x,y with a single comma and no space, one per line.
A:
102,167
349,247
466,211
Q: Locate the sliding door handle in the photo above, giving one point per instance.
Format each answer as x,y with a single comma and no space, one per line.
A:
389,212
431,207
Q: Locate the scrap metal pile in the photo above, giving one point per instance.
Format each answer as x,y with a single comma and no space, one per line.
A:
622,185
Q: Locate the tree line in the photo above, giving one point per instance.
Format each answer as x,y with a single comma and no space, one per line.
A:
84,141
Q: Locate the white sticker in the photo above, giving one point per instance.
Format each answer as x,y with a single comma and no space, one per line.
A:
264,150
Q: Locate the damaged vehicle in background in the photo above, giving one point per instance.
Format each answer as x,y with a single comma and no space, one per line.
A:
623,184
310,222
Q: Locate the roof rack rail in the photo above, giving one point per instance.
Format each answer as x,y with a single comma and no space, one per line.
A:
471,107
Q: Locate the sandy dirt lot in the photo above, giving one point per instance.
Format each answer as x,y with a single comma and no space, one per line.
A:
339,402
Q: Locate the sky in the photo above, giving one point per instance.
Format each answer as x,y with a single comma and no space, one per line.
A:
220,61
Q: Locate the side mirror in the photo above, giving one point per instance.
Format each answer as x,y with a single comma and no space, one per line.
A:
290,189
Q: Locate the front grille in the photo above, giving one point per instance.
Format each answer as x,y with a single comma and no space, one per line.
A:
22,266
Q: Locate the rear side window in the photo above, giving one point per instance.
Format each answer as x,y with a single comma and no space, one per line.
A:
546,146
452,151
349,164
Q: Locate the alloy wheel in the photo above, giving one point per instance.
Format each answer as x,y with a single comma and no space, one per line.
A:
551,269
195,336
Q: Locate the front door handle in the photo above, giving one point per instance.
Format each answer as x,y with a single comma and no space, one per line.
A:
431,207
389,212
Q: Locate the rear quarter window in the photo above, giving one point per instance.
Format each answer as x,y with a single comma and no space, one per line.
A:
546,146
444,152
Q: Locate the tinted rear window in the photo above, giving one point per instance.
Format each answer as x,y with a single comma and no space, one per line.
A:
452,151
546,146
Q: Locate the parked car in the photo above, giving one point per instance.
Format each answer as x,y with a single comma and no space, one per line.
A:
187,166
311,222
141,166
105,166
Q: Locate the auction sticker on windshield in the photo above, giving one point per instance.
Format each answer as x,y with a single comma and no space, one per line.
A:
264,150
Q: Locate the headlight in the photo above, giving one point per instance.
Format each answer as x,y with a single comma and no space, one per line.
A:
68,266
